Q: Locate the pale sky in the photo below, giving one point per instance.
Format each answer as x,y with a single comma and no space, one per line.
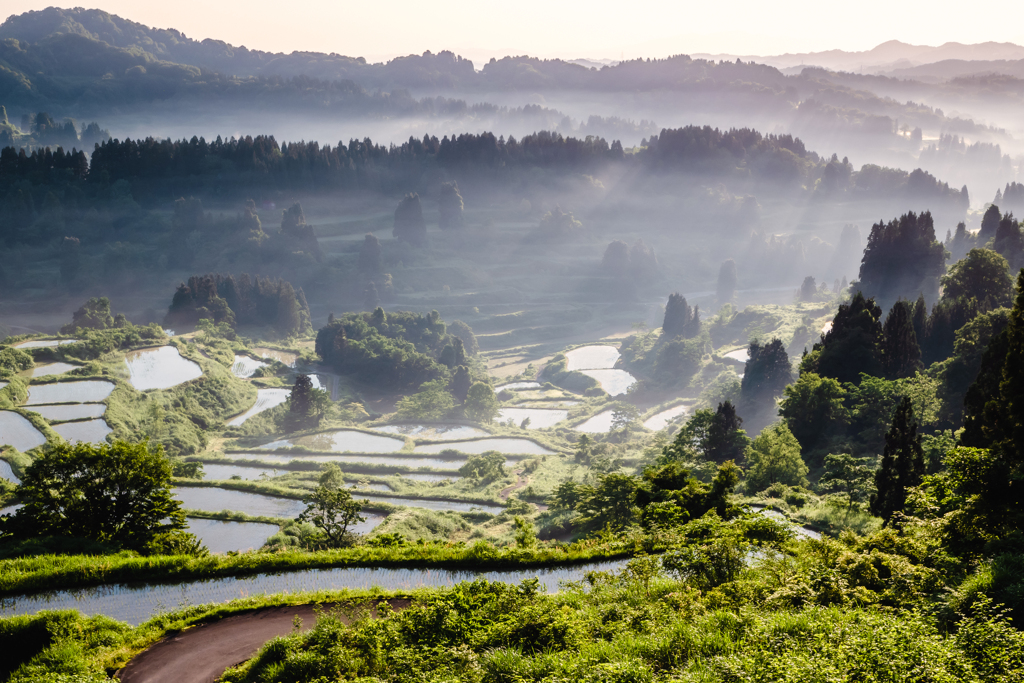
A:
382,29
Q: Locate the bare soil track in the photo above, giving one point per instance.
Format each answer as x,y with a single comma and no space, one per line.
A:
202,653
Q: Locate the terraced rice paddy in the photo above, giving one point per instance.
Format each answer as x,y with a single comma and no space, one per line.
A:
50,369
86,391
88,431
214,499
739,354
660,420
599,424
287,357
70,411
213,472
591,357
265,400
409,462
615,382
517,386
433,432
246,366
342,441
17,431
221,537
7,473
540,418
160,368
44,343
137,603
433,478
433,504
478,446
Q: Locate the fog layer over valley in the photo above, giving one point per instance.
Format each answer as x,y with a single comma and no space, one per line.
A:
681,369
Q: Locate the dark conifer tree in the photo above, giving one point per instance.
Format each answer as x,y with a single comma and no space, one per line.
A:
901,354
301,401
902,464
767,372
726,288
726,439
449,206
1009,242
460,383
370,260
853,345
902,259
920,320
680,318
989,225
616,260
409,223
809,289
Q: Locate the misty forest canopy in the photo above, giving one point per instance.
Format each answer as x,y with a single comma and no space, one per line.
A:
159,168
264,302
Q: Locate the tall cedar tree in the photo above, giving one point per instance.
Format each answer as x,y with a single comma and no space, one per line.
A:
989,225
409,224
902,259
852,346
449,206
726,440
1009,242
767,372
680,319
901,354
1003,427
726,289
301,400
370,260
902,464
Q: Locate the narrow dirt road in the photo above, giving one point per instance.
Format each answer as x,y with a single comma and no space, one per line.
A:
202,653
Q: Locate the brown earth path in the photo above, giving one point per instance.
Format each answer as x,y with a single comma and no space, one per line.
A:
202,653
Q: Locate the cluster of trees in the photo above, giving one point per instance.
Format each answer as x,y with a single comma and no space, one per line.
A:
239,301
638,262
396,351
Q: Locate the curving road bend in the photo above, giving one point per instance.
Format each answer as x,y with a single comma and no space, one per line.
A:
202,653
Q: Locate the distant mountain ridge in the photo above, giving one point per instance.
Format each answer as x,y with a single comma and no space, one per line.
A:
886,57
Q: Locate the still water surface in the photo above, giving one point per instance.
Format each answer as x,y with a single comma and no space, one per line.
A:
342,441
433,432
89,431
70,411
478,446
160,368
137,603
540,418
17,431
86,391
265,400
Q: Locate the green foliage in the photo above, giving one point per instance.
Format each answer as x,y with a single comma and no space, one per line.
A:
849,477
852,347
13,361
230,300
93,315
119,494
767,372
983,275
714,436
902,260
481,404
681,319
901,354
814,410
431,402
331,509
395,351
774,457
902,464
486,467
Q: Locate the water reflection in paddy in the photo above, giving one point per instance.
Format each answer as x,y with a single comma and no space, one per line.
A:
50,369
216,499
265,400
89,431
600,423
246,366
354,459
433,504
433,478
660,420
160,368
739,354
342,441
433,432
478,446
44,343
540,418
225,472
87,391
517,386
7,473
138,603
70,411
287,357
615,382
591,358
220,536
17,431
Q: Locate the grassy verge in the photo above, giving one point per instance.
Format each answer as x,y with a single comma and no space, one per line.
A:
54,572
